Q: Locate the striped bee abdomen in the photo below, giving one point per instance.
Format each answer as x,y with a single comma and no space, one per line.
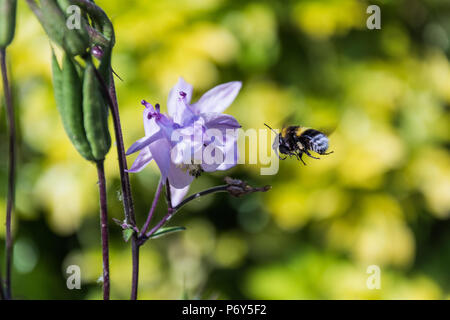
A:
314,140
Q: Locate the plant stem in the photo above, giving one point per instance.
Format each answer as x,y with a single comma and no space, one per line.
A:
2,295
11,171
172,211
104,228
124,178
111,98
153,207
126,187
222,188
168,195
135,262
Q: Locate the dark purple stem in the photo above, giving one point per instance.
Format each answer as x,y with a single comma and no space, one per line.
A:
11,172
222,188
2,295
135,272
171,211
104,228
111,98
124,178
168,195
126,187
153,207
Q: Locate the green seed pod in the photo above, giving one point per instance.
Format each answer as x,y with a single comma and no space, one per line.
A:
74,41
68,95
57,81
75,19
100,22
95,114
105,66
7,21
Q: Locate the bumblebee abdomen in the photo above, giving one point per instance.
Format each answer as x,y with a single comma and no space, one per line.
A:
315,140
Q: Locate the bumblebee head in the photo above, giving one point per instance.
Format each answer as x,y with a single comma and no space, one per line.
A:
284,149
277,142
280,145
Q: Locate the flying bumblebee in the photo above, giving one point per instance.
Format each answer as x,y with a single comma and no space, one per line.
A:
297,140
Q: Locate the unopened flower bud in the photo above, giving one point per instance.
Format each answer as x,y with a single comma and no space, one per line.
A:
97,52
238,188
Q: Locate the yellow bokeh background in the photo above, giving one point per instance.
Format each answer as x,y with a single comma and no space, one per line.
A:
382,198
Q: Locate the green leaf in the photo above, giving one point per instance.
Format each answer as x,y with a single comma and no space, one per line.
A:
164,231
127,233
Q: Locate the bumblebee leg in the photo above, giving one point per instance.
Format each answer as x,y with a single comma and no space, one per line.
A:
299,157
327,153
309,155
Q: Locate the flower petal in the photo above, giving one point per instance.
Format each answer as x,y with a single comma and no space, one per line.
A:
148,105
183,113
174,94
144,142
212,153
154,120
188,142
220,121
218,98
210,167
161,153
150,125
144,158
177,195
230,151
185,152
179,177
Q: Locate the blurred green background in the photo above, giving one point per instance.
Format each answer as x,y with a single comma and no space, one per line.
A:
383,197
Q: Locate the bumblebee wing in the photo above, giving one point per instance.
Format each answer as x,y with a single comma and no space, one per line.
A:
276,141
328,130
276,144
289,120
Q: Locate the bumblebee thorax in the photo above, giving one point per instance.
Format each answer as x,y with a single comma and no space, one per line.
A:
290,131
299,131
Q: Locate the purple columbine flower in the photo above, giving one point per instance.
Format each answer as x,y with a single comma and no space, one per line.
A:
179,141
